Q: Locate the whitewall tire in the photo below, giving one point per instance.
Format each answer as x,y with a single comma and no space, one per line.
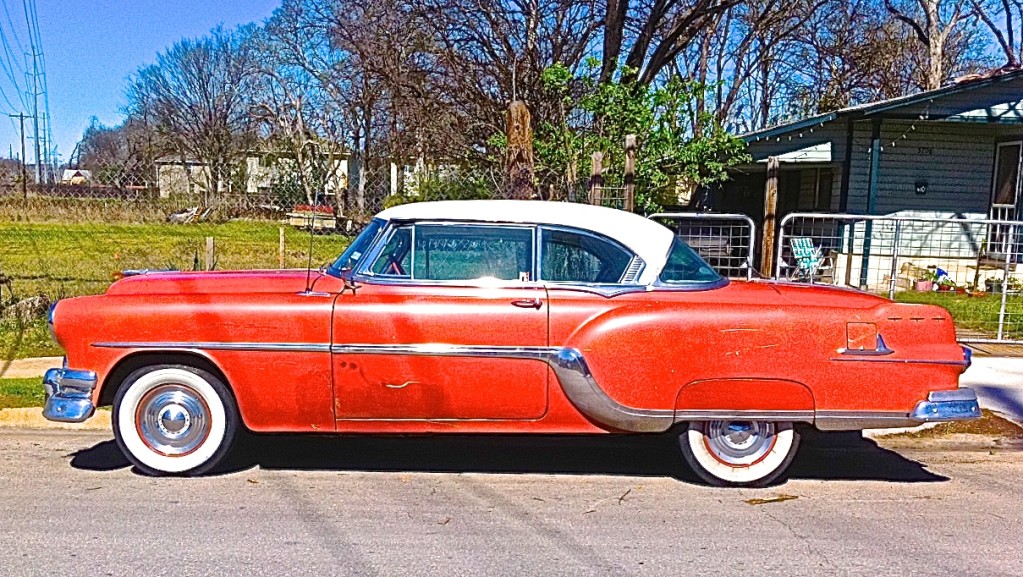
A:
739,453
174,419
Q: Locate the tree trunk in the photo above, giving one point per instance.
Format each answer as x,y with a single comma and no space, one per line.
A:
521,183
936,46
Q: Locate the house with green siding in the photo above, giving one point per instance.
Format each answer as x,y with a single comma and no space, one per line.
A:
950,152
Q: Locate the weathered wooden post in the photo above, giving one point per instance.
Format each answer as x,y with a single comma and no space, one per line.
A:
630,172
521,183
770,215
210,253
596,177
280,247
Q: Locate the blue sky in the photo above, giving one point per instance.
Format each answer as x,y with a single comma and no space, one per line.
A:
92,47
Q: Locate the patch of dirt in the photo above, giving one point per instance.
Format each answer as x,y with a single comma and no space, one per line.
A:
988,425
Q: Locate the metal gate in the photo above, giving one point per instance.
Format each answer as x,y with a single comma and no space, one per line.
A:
726,241
951,262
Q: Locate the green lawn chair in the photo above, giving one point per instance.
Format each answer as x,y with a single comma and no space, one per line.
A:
812,264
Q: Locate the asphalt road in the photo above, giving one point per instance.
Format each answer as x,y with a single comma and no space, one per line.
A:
69,504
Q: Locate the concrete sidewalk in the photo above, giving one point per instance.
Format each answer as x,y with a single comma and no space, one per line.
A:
28,368
999,384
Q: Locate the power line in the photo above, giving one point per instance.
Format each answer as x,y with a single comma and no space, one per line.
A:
10,24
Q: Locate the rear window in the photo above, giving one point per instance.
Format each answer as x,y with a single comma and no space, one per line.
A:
684,266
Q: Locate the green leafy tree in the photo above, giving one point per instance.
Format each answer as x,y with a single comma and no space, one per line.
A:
671,156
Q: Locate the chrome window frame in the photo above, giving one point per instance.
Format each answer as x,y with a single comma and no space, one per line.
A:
365,275
633,257
350,273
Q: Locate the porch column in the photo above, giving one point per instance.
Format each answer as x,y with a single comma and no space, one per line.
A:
875,165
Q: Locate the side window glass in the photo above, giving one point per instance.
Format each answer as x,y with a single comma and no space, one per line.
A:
685,266
466,252
574,257
395,260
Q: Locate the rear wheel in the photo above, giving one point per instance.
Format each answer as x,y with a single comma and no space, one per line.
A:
174,419
739,453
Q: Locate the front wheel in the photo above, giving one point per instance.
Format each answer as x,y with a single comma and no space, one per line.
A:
739,453
174,419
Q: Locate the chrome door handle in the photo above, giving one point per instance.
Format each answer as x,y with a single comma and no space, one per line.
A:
528,303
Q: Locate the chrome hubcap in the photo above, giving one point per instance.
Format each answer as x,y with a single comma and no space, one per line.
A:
173,420
739,442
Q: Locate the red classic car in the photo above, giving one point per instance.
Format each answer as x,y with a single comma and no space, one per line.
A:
501,317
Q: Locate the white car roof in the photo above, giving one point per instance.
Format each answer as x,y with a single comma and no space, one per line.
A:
648,239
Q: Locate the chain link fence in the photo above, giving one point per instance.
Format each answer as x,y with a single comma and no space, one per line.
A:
73,231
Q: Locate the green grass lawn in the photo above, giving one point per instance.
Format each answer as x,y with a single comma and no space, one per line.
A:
63,260
19,393
977,312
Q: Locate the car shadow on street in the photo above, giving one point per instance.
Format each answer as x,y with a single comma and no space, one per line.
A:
821,456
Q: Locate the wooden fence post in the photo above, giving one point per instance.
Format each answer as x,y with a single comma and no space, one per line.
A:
770,215
630,172
596,177
280,248
210,254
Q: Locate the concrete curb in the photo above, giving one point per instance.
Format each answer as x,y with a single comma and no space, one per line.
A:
32,418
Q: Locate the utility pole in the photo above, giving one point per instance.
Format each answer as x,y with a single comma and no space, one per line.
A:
35,109
24,175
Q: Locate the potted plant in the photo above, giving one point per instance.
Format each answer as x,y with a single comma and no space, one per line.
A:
993,285
923,284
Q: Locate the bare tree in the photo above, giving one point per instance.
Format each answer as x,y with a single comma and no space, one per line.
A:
302,102
653,34
119,155
1004,19
933,22
490,52
196,96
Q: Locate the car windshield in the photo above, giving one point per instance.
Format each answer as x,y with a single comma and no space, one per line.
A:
686,267
349,259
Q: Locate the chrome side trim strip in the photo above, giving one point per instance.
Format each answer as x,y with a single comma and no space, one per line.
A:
218,346
445,350
869,359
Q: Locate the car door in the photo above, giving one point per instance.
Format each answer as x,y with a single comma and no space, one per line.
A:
445,324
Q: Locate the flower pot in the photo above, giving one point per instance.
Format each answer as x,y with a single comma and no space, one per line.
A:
923,285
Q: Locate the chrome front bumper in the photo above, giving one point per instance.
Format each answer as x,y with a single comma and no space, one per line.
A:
951,405
69,395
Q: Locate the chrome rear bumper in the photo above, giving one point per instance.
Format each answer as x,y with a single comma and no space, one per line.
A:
953,405
69,395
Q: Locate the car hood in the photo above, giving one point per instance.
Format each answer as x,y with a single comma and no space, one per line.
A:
232,282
